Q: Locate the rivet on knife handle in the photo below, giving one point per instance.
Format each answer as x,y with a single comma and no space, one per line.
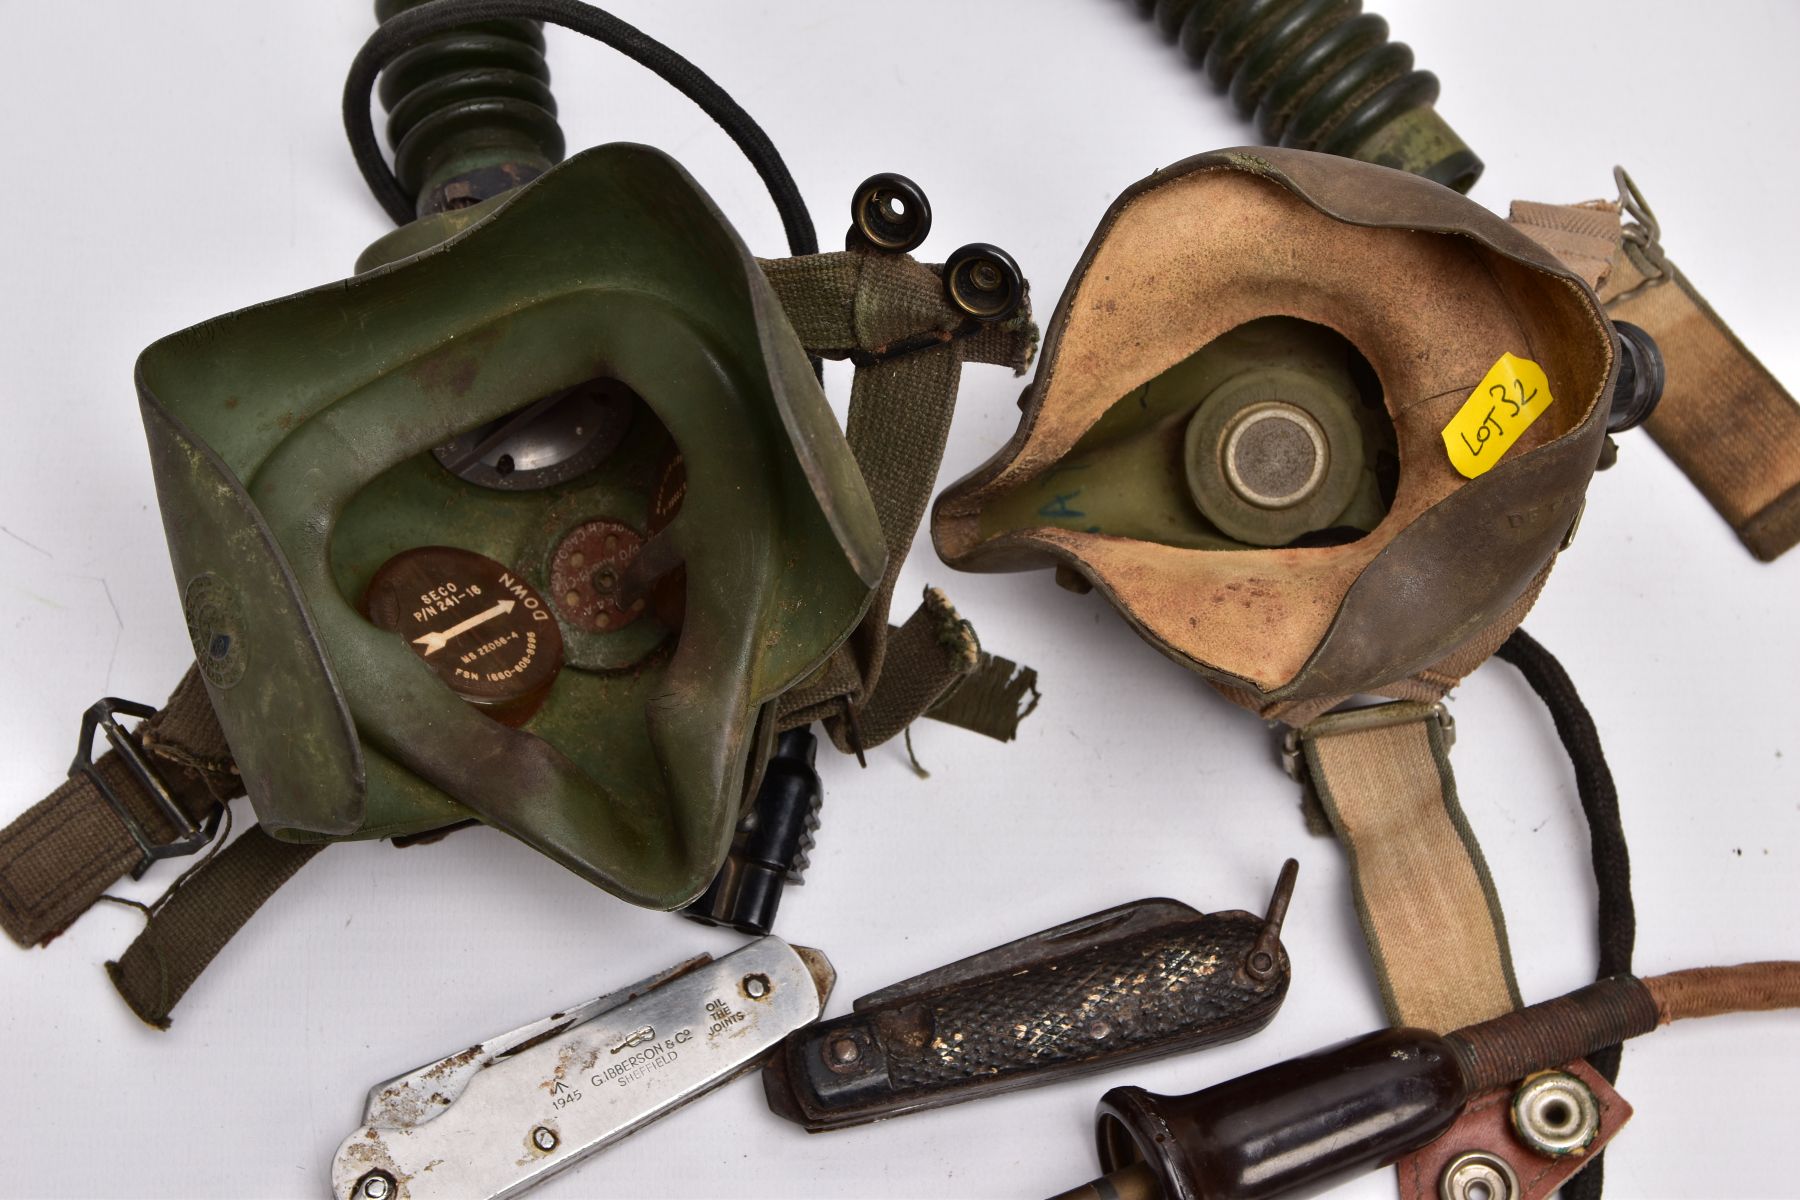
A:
1136,982
502,1115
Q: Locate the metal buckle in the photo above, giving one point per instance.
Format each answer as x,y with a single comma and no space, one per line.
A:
1294,762
190,837
1291,761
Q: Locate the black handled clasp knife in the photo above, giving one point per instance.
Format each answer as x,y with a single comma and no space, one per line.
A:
1135,982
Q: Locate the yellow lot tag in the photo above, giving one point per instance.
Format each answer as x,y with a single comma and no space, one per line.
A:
1503,405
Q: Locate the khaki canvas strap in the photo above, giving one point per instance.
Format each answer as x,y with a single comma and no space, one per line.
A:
193,921
1725,420
65,851
1728,424
887,314
1427,905
1585,237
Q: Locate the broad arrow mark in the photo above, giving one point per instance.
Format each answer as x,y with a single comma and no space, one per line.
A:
435,641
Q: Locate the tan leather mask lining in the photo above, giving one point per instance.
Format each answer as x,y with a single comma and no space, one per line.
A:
1188,260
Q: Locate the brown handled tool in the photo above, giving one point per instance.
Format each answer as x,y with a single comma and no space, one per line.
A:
1143,980
1298,1127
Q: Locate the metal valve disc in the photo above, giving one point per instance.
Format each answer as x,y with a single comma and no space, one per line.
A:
477,623
587,574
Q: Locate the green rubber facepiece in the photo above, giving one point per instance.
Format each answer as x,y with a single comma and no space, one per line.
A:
408,616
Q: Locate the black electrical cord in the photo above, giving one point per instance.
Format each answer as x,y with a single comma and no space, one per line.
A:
407,29
1606,838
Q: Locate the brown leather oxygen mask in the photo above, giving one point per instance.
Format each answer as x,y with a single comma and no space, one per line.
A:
1315,427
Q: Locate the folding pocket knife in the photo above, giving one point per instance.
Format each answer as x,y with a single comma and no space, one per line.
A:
494,1119
1136,982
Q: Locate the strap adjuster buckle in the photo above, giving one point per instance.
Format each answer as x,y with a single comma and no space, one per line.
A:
190,838
1293,758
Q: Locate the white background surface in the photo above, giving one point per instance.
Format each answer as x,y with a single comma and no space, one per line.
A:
168,162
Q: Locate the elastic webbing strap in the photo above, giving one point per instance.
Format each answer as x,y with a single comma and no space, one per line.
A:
935,667
65,851
924,660
1584,237
62,855
899,421
1427,905
990,700
1726,421
1728,424
887,313
191,924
